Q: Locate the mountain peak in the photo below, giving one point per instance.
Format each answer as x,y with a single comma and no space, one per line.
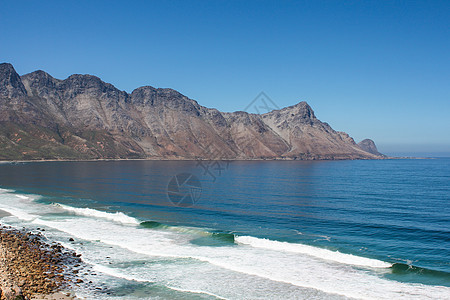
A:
85,83
368,145
38,83
301,110
38,73
4,67
170,98
149,90
304,109
84,78
39,77
11,85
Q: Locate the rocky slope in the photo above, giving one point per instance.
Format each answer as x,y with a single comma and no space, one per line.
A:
83,117
369,146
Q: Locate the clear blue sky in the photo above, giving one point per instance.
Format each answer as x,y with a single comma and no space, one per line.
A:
377,69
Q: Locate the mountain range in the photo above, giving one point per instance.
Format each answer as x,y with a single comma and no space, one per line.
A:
82,117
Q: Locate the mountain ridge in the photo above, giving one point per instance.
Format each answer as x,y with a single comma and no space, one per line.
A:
83,117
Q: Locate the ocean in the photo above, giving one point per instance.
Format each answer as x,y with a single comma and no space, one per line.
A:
369,229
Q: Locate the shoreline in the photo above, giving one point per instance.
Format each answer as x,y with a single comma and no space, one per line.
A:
193,159
33,268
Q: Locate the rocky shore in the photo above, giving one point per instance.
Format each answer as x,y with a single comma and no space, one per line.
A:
33,268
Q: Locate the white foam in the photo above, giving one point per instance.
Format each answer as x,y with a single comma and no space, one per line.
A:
273,265
273,262
195,292
22,208
115,273
89,212
19,213
312,251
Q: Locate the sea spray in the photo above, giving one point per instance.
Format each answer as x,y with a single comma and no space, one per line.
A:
313,251
89,212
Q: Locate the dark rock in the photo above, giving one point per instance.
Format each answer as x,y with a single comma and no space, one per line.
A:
11,85
31,265
369,146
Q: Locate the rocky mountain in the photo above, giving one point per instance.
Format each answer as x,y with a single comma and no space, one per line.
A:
82,117
369,146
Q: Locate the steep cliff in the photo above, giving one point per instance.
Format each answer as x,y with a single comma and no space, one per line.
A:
83,117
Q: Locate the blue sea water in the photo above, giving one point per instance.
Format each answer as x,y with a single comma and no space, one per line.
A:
372,229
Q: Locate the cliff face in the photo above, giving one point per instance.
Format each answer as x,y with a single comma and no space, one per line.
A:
369,146
83,117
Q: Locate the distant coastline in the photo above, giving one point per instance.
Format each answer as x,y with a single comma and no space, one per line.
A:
186,159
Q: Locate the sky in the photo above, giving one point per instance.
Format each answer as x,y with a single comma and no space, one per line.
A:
374,69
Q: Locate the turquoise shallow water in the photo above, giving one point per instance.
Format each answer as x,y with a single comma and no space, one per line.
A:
278,229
